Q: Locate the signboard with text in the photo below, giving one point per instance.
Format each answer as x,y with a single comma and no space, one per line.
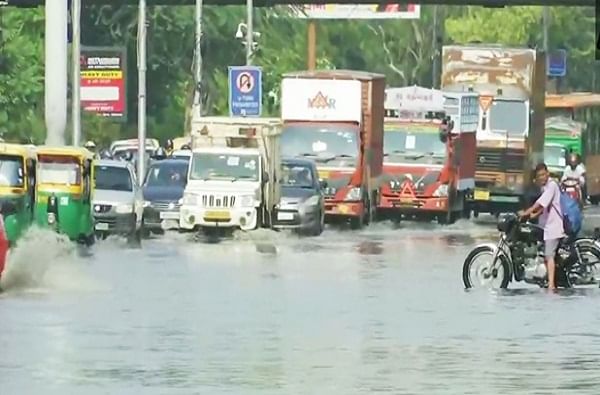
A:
357,11
104,81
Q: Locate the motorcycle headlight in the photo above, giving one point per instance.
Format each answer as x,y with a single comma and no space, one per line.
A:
190,199
124,208
312,201
247,201
441,191
353,194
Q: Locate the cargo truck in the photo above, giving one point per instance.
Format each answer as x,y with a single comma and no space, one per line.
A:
429,163
335,117
510,136
233,175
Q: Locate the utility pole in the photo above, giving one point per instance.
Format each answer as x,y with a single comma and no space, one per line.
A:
198,68
141,92
435,72
76,71
312,44
249,33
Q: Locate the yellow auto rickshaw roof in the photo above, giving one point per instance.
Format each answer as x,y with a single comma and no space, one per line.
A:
78,152
27,151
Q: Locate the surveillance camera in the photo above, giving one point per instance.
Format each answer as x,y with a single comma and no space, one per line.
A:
239,33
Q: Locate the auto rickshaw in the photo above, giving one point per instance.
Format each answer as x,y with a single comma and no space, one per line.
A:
17,188
64,191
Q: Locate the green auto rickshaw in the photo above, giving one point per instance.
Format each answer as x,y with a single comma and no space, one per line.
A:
17,188
64,190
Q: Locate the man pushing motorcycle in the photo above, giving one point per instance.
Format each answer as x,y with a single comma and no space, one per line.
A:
548,208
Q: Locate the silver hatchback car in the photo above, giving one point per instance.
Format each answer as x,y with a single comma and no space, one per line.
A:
117,203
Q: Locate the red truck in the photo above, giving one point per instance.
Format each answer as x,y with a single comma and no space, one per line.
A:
429,153
335,117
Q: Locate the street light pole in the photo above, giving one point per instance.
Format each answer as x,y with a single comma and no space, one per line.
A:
76,71
198,95
249,33
141,91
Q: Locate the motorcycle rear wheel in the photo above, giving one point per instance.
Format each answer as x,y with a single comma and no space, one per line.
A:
503,271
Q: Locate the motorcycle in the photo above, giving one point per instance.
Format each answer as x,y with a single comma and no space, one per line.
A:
519,256
572,187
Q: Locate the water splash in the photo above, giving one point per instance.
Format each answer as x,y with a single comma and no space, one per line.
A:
42,259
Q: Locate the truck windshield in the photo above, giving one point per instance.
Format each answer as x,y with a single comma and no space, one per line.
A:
336,145
555,156
164,174
11,171
559,112
113,178
59,170
509,116
218,166
412,142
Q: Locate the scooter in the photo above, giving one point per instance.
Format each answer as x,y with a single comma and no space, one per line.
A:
572,188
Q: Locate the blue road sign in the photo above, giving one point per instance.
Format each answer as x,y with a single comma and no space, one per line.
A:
556,65
245,91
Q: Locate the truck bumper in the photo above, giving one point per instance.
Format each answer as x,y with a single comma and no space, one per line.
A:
424,205
344,209
244,218
485,201
115,223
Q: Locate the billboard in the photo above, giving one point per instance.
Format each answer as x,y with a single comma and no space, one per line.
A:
357,11
104,81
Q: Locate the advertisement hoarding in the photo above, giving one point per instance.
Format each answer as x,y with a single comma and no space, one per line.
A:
357,11
104,81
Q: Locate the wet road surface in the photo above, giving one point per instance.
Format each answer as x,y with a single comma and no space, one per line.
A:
380,310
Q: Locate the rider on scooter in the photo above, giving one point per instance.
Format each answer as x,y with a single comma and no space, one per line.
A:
575,170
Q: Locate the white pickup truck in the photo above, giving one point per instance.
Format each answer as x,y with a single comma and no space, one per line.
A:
233,175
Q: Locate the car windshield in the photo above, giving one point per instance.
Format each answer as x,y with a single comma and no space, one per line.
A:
297,176
11,171
121,154
59,170
413,141
555,156
509,116
165,174
336,145
113,178
215,166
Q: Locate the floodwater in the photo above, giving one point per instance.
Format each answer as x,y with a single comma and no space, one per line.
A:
382,310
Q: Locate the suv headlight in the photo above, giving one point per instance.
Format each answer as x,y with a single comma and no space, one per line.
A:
312,201
146,203
190,199
353,194
441,191
124,208
247,201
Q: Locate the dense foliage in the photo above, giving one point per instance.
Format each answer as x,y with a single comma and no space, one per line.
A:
402,49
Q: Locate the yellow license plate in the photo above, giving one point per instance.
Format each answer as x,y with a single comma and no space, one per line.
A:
323,174
217,214
481,195
343,209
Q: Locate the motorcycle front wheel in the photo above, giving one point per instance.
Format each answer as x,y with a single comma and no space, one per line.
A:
488,278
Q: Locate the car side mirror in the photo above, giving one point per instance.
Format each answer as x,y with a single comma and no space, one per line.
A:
323,184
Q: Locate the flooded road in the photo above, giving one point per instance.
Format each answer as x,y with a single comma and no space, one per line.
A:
381,310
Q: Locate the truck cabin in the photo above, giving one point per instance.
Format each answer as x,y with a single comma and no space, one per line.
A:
227,156
413,117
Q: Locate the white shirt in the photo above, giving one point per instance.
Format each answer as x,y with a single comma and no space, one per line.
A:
578,173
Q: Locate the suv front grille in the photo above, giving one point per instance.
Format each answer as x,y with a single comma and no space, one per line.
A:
225,201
